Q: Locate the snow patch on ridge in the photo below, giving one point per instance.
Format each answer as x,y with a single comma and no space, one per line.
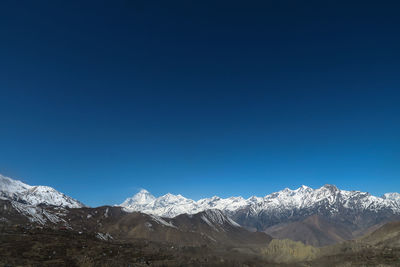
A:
161,221
216,218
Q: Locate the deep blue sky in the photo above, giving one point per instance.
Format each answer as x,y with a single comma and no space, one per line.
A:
200,98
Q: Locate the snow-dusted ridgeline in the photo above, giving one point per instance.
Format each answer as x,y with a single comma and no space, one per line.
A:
15,190
304,197
27,200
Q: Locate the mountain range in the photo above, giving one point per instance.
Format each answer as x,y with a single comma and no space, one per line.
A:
280,202
23,204
318,217
334,226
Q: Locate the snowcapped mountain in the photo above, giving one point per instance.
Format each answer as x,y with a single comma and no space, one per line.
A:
20,192
325,215
287,200
140,198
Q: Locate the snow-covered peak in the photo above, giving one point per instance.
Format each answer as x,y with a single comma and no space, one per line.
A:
141,198
286,200
143,192
304,188
15,190
331,188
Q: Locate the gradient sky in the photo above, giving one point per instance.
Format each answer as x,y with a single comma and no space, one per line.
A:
100,99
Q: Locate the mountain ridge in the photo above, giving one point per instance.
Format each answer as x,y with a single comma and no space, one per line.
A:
318,217
170,205
326,215
35,195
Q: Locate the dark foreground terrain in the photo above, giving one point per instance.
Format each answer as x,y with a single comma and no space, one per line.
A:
46,235
20,246
25,246
40,226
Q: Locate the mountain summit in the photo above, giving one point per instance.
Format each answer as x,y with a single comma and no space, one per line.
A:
141,198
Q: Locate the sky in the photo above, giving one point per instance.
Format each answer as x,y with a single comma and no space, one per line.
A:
99,99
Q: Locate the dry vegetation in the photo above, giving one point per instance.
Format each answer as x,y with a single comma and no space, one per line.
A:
286,251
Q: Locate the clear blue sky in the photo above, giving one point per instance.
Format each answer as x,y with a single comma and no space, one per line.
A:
99,99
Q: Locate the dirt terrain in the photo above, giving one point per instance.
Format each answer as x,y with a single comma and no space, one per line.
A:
35,246
108,236
22,246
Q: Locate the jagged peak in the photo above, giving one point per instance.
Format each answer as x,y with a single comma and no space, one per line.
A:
171,205
254,198
304,187
330,187
142,197
143,191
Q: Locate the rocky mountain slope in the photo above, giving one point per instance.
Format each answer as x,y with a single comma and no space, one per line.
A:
314,230
378,248
36,204
210,227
